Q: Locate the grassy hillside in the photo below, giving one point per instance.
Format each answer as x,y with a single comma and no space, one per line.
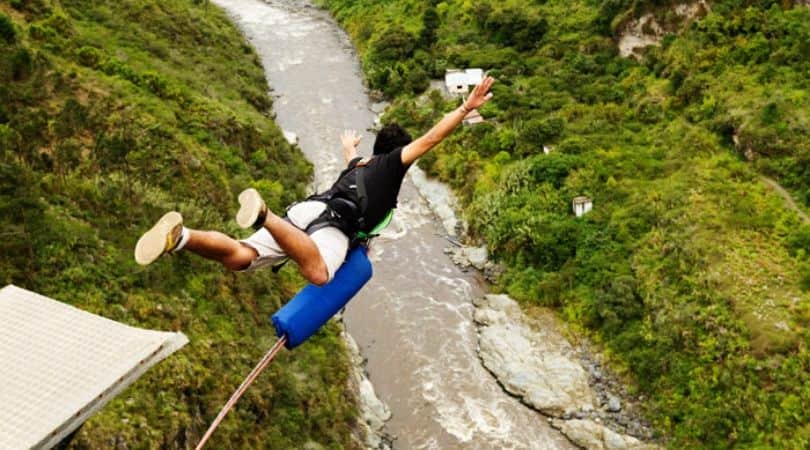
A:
691,272
111,113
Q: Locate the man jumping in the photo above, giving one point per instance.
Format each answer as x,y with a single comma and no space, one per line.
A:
317,232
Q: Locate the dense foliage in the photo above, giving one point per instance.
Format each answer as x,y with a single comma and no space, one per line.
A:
111,113
691,272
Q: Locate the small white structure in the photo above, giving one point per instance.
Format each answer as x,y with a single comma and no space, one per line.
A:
546,150
582,205
59,365
291,137
473,118
458,82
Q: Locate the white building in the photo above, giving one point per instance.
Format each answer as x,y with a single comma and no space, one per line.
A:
582,205
546,149
458,82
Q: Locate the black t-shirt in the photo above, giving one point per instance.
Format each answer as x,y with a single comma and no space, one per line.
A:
383,177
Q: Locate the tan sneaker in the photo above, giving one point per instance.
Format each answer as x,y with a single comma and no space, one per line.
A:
252,210
161,238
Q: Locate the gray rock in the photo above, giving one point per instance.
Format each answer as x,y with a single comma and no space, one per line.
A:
477,256
439,197
291,137
372,410
501,302
613,403
535,362
593,436
530,364
488,317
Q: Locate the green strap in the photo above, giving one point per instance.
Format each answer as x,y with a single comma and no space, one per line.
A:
380,226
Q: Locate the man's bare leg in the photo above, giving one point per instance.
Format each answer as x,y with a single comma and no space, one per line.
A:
219,247
253,213
169,235
298,246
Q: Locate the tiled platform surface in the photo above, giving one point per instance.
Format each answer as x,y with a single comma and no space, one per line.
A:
59,365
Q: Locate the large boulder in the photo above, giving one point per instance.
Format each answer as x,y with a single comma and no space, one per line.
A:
536,365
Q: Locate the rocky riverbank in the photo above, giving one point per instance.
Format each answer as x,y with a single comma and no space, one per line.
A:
373,412
531,358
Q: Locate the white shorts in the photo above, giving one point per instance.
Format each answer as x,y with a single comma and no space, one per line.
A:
331,242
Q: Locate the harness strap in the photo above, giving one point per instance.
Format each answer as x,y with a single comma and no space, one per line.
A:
362,198
336,205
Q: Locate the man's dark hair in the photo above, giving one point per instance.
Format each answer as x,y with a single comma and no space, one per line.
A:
390,138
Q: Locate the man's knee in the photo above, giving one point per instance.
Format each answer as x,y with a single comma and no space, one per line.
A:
236,265
241,259
316,273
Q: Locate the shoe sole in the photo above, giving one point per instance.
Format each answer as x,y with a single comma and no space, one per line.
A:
250,205
153,243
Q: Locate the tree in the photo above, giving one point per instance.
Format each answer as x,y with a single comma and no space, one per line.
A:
394,44
430,25
7,32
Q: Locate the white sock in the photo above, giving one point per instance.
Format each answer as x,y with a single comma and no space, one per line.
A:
183,240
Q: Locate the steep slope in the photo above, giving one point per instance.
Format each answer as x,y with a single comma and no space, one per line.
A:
112,112
691,272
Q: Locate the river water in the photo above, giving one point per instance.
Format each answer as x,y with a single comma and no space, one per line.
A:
413,321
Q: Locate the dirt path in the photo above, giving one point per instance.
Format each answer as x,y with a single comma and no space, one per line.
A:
786,195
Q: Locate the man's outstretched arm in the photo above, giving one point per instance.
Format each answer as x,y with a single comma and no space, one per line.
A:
449,122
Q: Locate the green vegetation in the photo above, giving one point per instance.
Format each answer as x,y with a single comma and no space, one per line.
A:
690,272
111,113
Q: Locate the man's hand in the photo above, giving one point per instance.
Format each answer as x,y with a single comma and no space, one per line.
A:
350,140
480,94
449,122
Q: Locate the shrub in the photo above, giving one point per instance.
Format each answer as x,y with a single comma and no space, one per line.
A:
8,138
69,120
7,32
40,32
430,23
21,64
537,132
89,56
799,241
574,145
394,44
552,168
515,28
36,7
61,23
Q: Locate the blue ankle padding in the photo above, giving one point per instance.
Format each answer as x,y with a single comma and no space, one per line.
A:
311,308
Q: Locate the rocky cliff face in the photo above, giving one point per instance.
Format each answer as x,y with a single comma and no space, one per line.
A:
650,28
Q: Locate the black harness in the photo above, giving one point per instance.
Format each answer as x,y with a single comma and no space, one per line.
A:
346,204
